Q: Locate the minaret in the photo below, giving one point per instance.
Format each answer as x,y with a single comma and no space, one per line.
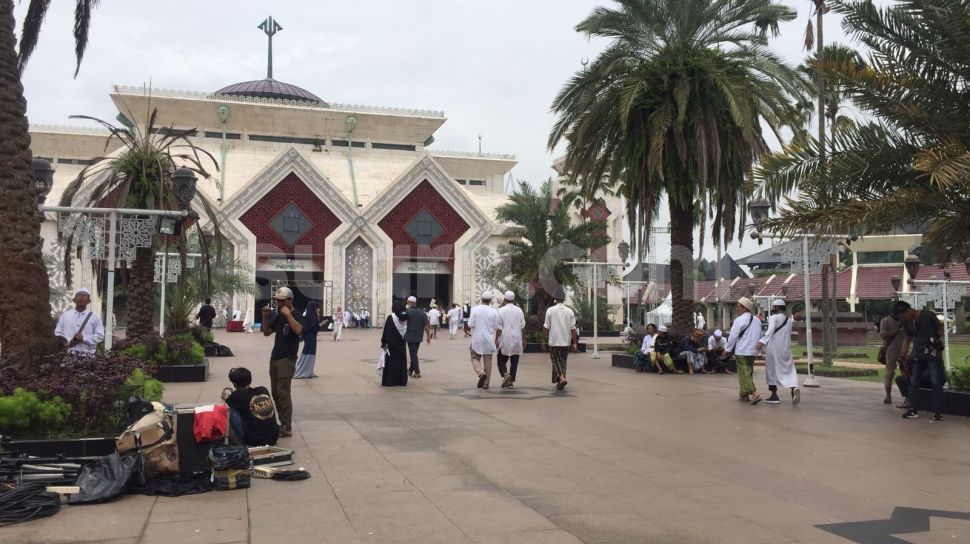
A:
270,27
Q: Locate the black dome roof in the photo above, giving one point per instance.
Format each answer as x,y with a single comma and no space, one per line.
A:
270,88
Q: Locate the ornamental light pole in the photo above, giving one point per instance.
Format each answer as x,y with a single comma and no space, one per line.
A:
126,229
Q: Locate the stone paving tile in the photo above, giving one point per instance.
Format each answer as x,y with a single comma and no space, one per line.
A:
200,531
174,509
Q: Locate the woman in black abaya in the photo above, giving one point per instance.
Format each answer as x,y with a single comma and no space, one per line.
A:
395,364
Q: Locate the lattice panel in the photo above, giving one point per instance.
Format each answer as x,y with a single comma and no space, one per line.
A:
934,292
358,273
818,255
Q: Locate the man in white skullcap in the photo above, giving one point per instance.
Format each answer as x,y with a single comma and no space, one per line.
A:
559,336
484,324
512,342
715,352
80,330
743,342
779,363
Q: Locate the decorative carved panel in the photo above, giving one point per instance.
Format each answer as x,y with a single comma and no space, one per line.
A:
358,274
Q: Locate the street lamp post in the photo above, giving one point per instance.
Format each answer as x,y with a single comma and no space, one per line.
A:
595,266
43,181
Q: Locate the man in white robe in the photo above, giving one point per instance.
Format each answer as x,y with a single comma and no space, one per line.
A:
454,320
80,329
512,342
779,362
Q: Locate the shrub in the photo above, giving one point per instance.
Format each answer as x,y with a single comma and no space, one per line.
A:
93,386
198,334
23,412
173,350
960,378
149,388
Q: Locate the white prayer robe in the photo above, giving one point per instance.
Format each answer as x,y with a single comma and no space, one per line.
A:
779,362
484,321
70,322
513,321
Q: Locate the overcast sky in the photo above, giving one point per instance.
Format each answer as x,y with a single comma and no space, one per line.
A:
493,67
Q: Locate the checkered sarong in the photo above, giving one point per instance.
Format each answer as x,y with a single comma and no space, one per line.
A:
558,354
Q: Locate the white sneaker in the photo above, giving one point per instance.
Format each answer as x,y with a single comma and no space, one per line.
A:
796,396
507,381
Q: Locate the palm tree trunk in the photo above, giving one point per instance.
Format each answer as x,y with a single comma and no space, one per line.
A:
141,294
26,327
682,266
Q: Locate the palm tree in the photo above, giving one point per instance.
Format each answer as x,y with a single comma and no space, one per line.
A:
139,174
910,165
26,329
540,227
194,287
674,107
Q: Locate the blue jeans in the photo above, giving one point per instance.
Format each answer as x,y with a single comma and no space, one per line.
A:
235,421
413,351
934,366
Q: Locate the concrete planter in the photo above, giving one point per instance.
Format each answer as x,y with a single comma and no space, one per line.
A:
184,373
955,403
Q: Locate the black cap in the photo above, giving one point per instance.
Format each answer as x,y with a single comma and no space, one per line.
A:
900,306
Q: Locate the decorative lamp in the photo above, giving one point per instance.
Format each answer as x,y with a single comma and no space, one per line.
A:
43,181
912,265
897,283
624,249
183,186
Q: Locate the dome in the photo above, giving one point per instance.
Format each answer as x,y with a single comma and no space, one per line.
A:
270,88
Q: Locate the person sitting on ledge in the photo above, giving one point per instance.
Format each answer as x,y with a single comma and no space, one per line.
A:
252,415
716,360
663,346
644,358
692,352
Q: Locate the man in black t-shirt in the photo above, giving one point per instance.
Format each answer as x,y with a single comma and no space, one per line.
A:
252,415
282,362
923,347
206,314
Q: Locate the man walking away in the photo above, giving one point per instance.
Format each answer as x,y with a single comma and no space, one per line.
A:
512,344
559,336
466,312
743,342
454,320
923,346
417,327
484,325
434,316
80,330
891,332
779,362
282,361
338,324
206,314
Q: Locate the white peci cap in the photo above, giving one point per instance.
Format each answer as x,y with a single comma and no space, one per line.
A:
487,295
283,293
778,302
662,328
509,296
718,333
412,299
83,290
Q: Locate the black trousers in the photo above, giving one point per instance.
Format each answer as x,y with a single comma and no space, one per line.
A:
502,359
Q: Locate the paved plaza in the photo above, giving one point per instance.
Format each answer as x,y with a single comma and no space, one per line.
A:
617,457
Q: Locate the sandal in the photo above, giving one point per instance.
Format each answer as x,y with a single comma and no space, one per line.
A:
755,399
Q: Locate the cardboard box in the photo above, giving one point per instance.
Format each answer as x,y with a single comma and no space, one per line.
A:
270,456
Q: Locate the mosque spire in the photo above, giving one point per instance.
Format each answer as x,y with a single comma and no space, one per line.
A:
270,27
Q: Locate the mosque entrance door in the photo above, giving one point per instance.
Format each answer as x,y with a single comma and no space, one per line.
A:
424,280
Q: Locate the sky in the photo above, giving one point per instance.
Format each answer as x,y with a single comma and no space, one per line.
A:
493,67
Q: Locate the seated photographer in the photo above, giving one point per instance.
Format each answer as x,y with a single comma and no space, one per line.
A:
252,415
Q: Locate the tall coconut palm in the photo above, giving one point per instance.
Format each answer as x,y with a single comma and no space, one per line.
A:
674,107
24,325
910,165
540,226
139,175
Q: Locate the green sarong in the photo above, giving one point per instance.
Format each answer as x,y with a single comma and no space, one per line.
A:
746,374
